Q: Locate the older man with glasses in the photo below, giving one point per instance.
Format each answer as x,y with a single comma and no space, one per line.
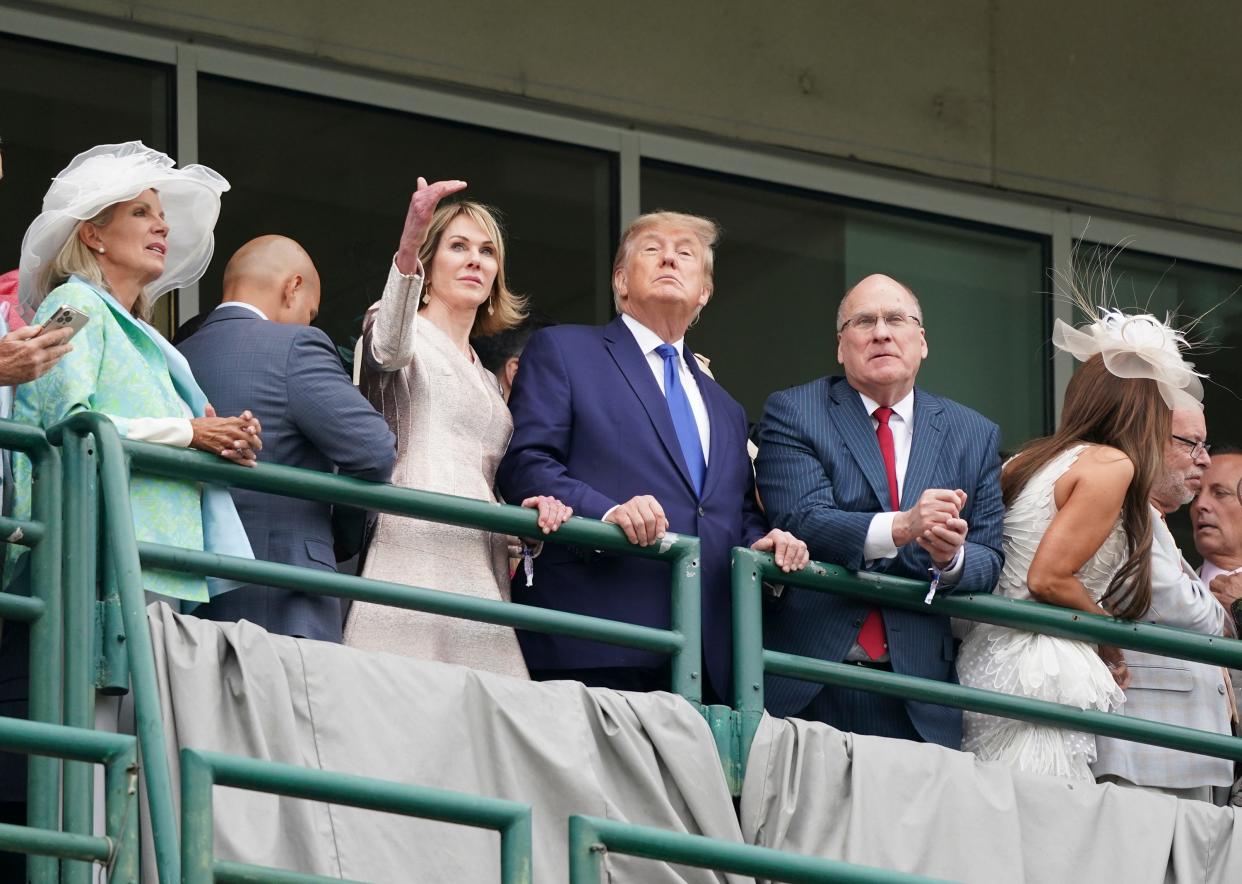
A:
1166,689
878,475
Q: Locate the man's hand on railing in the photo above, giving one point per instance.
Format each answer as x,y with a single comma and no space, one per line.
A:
1115,660
552,513
641,518
233,438
789,553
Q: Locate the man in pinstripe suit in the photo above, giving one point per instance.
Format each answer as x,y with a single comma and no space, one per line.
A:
878,475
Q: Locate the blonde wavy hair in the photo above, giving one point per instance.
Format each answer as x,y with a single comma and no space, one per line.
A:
508,309
75,259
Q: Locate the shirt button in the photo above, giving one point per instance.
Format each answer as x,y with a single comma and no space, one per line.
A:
701,512
1220,689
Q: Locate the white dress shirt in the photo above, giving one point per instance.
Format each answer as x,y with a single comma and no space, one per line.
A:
647,342
879,541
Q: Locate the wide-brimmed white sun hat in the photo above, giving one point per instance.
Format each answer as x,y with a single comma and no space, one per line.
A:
113,173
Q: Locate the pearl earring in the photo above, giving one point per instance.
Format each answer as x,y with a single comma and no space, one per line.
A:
490,309
427,295
101,250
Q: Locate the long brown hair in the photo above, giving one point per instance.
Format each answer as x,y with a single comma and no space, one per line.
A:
508,309
1128,414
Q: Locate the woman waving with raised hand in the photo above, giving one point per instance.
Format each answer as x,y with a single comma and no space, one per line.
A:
445,286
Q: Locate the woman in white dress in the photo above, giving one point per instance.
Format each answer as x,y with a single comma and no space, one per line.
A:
445,286
1078,534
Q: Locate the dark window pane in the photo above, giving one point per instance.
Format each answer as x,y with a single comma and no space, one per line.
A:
56,102
788,256
337,177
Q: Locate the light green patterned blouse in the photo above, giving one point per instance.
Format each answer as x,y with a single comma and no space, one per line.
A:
116,368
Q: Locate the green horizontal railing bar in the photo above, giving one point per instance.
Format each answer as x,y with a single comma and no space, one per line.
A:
399,595
225,872
38,738
587,835
181,463
201,770
925,690
20,608
20,531
898,592
22,437
67,845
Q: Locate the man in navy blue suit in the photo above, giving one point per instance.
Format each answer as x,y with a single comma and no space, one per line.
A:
620,423
258,347
878,475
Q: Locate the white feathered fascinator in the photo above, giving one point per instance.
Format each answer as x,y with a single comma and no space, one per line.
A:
1136,345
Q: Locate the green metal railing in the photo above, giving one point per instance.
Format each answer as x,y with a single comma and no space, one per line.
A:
590,838
201,771
97,467
42,612
91,435
118,851
752,660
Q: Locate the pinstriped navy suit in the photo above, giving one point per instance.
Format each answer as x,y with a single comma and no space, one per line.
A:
822,478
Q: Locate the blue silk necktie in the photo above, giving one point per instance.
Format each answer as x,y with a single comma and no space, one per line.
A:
683,417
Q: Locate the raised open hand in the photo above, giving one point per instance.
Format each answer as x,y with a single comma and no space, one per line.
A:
423,204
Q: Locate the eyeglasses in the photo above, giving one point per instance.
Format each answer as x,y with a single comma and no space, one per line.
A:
1196,448
866,322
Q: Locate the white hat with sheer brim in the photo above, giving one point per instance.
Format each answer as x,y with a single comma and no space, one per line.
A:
114,173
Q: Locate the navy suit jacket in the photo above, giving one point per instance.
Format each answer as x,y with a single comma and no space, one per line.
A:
291,379
822,477
591,427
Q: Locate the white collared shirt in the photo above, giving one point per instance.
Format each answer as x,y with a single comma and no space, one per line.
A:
647,342
251,307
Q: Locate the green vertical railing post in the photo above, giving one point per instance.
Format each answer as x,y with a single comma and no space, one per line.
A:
747,648
197,826
685,618
586,853
43,804
121,801
516,838
81,541
123,550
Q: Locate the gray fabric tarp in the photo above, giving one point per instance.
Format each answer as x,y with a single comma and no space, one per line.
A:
918,808
647,759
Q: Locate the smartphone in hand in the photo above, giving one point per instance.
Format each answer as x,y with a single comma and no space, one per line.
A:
65,317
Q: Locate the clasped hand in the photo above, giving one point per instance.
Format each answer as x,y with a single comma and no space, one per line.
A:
233,438
935,524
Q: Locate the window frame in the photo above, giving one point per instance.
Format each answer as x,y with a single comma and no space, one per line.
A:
1062,222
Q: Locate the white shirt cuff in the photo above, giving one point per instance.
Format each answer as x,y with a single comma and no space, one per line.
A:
950,575
879,543
164,430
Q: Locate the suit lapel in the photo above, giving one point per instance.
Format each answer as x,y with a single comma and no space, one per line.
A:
852,423
637,372
717,443
925,447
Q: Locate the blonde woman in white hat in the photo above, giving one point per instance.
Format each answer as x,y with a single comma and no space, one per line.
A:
121,226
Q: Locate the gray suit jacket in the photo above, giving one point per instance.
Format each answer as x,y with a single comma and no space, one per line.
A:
291,378
1169,690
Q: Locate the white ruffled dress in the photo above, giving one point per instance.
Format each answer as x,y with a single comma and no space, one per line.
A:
1042,667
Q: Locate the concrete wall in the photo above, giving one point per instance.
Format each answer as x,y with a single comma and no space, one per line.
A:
1121,105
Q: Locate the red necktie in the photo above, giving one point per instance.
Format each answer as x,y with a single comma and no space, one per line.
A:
871,636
